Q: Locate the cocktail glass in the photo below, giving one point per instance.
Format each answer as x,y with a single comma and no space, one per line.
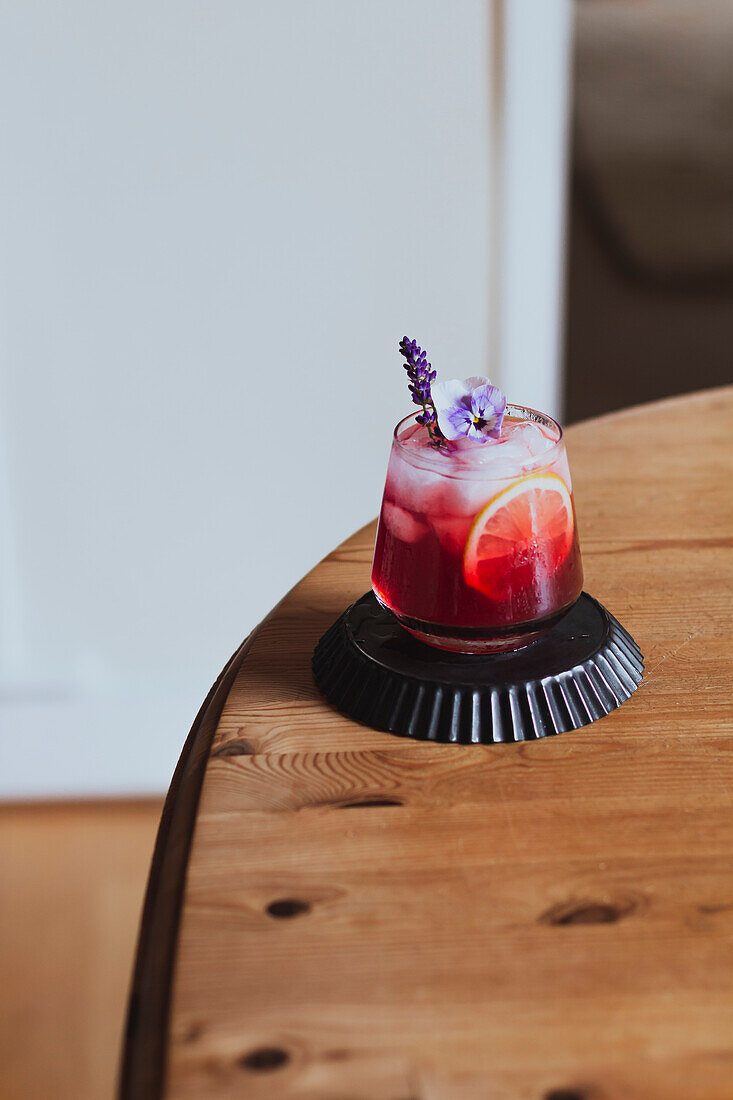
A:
477,548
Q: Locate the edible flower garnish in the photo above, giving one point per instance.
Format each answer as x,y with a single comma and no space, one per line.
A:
421,379
473,409
452,410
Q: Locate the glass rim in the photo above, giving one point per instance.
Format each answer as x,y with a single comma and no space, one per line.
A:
470,469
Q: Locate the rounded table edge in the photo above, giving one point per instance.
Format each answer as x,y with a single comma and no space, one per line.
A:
142,1067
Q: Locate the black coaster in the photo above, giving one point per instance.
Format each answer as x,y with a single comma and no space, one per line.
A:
368,666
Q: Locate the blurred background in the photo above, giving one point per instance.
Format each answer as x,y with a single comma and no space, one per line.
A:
218,221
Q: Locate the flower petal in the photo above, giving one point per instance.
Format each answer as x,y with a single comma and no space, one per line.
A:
446,394
455,422
489,404
476,435
452,404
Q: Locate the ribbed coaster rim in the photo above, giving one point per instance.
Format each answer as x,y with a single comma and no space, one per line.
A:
371,669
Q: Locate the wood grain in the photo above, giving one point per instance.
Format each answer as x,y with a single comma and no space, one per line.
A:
370,917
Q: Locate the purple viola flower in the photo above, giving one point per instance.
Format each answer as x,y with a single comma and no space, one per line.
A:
473,409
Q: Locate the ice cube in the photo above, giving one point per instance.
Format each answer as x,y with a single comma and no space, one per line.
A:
411,486
512,451
452,531
459,496
532,437
508,467
403,524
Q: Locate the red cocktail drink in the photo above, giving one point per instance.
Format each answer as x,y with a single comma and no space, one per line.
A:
477,548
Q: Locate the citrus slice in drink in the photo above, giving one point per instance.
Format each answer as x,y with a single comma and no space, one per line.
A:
520,537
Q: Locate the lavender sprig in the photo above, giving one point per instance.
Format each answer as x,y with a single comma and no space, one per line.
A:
421,377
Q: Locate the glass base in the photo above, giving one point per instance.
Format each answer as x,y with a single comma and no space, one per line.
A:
480,640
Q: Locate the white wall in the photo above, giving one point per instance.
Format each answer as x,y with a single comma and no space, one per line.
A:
217,222
534,112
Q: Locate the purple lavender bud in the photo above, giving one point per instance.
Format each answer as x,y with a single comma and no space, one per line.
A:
421,376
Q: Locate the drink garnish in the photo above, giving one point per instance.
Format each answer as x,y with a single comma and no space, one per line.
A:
421,377
473,409
530,520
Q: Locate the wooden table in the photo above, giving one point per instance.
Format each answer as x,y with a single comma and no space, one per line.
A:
361,917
